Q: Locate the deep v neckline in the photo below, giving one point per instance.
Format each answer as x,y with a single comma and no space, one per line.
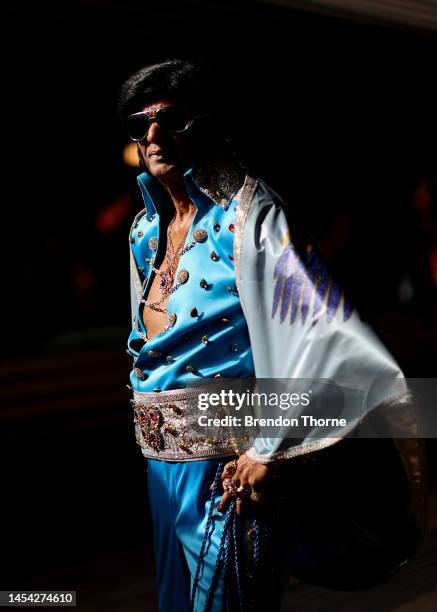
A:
153,275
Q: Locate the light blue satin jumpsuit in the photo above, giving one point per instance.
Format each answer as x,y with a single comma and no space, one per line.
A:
208,337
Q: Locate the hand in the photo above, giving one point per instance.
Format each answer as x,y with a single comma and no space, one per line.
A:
249,480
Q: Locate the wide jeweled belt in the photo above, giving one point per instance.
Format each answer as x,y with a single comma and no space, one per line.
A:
166,427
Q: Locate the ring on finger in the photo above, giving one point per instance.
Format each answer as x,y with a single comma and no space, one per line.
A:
230,468
243,491
257,497
230,486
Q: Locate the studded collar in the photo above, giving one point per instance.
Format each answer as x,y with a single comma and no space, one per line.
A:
218,178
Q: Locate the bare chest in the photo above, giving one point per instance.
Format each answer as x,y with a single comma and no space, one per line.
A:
155,319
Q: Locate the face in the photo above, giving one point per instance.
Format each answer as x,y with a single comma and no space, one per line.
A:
166,154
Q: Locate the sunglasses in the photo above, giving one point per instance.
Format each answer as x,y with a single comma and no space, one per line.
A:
169,118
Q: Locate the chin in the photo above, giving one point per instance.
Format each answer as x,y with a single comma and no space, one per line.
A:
164,170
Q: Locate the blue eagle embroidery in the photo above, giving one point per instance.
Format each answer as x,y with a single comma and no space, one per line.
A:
302,283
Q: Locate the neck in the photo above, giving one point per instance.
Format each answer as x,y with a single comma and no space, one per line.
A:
184,207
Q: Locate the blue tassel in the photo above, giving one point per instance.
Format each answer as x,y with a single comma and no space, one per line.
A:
230,560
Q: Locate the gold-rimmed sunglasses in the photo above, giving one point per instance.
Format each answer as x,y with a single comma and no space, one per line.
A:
170,118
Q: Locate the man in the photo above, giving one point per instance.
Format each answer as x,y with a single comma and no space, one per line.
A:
224,286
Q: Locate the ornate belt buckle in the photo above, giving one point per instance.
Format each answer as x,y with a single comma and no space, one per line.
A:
150,421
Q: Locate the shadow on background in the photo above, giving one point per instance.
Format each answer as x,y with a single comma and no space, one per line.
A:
338,117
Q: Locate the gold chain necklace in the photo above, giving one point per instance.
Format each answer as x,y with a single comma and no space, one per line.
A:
167,276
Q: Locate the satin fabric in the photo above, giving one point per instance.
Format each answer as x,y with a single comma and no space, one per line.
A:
302,327
326,342
219,316
179,494
179,501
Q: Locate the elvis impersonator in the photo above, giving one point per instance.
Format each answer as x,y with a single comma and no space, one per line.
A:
225,284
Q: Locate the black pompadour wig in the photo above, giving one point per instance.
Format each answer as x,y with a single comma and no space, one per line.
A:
186,81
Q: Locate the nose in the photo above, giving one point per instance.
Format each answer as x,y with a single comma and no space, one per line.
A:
153,132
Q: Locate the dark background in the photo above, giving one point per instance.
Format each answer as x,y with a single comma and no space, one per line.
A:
338,116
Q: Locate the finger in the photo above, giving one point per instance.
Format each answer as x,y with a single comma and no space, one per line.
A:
243,490
230,486
241,506
228,474
229,470
257,497
224,502
223,476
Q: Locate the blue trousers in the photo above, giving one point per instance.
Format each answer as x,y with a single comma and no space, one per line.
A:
345,524
179,497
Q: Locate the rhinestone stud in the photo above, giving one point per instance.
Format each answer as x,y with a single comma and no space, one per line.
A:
200,235
140,374
182,276
153,243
